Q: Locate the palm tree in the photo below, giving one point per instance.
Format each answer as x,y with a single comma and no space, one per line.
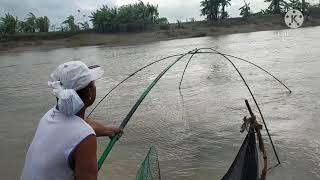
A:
303,6
131,17
245,10
296,4
29,25
224,3
277,6
85,26
105,19
152,12
8,24
42,24
70,24
210,9
31,22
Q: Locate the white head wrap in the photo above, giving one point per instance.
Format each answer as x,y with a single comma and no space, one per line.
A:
69,102
67,79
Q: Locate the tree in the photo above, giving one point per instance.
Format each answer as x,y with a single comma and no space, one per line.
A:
296,4
30,23
70,25
215,9
162,20
303,8
282,6
63,28
138,13
8,24
152,13
131,17
224,15
34,24
245,10
42,24
210,9
179,23
104,19
224,3
276,7
2,29
84,26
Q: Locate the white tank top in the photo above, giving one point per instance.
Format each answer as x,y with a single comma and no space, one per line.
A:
49,154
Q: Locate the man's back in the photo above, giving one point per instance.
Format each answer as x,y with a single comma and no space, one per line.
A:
49,155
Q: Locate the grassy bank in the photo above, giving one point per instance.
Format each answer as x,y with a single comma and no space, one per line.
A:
52,40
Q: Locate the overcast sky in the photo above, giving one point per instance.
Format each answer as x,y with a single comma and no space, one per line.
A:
57,10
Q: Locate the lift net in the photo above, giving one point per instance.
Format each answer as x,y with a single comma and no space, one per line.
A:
245,165
149,169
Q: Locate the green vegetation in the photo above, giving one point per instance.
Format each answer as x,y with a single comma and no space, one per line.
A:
69,24
85,26
163,23
224,3
282,6
33,24
296,4
245,10
8,24
179,24
210,8
214,9
29,25
42,24
275,6
162,20
127,18
138,17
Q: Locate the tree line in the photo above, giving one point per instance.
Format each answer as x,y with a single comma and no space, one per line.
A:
138,17
215,9
10,24
127,18
132,17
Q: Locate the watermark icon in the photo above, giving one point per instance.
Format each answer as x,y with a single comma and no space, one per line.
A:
294,18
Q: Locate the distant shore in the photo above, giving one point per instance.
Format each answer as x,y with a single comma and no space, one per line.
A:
45,41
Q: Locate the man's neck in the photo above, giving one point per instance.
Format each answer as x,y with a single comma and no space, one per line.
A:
81,113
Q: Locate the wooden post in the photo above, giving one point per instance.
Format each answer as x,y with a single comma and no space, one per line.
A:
258,127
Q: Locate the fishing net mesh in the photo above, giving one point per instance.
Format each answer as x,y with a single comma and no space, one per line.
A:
149,169
245,165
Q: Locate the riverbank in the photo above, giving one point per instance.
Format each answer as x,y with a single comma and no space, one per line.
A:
44,41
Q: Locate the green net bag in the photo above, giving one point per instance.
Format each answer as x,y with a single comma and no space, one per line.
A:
149,169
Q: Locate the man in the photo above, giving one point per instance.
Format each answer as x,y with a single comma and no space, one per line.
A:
64,146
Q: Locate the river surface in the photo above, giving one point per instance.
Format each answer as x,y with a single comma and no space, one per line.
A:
197,134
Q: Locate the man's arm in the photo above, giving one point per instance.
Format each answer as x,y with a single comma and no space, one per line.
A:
85,159
102,130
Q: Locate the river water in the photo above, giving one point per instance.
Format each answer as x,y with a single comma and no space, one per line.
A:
197,134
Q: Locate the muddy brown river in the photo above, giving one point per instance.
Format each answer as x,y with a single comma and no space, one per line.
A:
196,135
